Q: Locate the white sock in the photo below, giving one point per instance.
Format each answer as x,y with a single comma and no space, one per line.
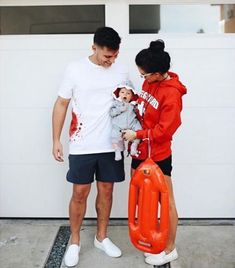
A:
134,150
118,155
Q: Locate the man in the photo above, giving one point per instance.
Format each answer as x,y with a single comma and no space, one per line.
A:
89,84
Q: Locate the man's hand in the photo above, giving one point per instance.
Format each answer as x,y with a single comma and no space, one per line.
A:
58,151
58,117
128,135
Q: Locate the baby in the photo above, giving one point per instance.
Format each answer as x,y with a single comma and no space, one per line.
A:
124,117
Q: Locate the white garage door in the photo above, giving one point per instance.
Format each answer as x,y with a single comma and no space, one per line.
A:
32,184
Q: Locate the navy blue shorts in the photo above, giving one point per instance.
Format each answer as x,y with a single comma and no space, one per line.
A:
101,166
165,165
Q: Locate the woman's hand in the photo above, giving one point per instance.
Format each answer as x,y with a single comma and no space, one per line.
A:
128,135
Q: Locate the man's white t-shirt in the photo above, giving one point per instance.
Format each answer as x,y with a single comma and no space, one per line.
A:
90,88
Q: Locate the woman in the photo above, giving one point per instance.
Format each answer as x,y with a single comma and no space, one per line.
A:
159,107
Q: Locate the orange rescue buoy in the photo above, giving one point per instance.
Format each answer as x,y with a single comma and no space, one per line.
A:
148,209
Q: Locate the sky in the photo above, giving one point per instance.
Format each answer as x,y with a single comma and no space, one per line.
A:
189,18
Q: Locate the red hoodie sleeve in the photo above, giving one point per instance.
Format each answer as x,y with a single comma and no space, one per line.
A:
169,119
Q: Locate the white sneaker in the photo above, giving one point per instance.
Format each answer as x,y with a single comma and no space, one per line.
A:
146,254
108,247
72,255
162,258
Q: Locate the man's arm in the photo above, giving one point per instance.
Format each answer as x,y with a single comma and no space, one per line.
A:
58,117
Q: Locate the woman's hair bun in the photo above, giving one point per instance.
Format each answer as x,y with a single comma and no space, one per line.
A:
157,46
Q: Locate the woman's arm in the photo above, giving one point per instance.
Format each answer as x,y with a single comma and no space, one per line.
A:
169,121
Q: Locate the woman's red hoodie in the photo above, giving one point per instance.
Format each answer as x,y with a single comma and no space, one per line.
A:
159,107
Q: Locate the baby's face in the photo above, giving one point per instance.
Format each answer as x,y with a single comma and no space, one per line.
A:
125,94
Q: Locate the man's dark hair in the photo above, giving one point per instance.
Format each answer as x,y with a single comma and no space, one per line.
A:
107,37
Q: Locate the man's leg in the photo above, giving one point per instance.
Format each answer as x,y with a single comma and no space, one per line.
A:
77,210
107,169
103,207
